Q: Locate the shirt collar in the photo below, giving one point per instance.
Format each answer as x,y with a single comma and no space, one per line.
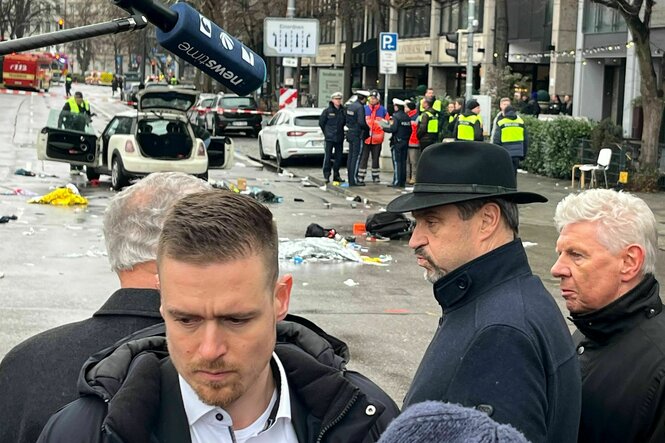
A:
132,301
195,408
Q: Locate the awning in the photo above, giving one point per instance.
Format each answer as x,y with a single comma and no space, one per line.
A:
366,54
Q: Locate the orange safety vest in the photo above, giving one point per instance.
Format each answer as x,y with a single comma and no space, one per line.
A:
373,114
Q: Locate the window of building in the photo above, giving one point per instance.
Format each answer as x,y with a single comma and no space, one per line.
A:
326,18
414,21
357,22
601,19
455,15
377,22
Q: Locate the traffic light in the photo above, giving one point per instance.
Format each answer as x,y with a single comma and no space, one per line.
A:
61,24
453,37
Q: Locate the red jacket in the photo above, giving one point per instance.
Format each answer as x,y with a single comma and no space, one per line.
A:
413,140
372,116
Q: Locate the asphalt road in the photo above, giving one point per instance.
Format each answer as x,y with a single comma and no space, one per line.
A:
54,269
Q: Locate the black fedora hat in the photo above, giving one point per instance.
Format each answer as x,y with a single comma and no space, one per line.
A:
461,171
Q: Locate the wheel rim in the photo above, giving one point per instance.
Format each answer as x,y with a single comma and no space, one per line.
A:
114,173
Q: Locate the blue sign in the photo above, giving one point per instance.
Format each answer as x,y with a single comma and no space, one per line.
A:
388,41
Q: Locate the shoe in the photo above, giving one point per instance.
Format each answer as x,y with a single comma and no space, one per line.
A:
376,180
357,184
339,179
411,182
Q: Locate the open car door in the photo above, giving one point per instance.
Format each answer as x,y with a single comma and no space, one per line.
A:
68,138
220,153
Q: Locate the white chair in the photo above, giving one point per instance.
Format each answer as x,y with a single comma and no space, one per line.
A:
602,164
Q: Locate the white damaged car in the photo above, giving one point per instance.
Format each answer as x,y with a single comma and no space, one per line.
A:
156,137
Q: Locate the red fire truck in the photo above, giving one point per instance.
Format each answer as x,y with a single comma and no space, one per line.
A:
31,71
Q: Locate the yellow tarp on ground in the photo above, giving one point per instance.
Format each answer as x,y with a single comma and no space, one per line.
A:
60,197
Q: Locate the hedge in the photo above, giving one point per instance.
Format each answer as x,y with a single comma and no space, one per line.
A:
553,145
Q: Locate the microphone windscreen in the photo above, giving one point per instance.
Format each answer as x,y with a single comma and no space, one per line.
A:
207,47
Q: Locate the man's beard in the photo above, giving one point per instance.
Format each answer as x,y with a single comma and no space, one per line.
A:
435,273
217,393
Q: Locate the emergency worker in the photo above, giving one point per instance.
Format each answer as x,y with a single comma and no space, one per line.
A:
401,130
357,128
511,134
469,125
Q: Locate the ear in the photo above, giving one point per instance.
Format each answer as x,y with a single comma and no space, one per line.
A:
633,260
489,219
283,296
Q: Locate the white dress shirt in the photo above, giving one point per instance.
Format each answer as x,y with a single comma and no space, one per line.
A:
209,424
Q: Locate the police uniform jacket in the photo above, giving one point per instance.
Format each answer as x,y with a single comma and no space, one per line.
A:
331,122
400,127
355,119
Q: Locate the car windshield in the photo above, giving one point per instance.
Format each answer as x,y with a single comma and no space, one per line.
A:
309,121
238,102
68,120
167,100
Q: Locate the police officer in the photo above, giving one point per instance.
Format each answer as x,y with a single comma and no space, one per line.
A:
428,126
511,134
469,125
68,84
401,130
331,122
76,113
355,122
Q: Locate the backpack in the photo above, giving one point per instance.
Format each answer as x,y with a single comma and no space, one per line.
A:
389,224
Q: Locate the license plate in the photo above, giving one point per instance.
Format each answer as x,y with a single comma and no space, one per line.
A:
238,123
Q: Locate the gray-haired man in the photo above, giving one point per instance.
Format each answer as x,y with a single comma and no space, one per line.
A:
39,376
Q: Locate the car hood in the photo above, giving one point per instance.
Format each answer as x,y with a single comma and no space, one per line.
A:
166,99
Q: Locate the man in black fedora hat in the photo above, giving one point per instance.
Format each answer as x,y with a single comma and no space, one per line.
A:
502,345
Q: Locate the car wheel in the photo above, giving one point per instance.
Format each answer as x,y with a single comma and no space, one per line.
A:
278,156
91,173
204,176
261,153
119,178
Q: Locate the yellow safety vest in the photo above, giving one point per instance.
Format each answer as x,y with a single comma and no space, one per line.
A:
436,105
465,126
74,107
432,123
512,131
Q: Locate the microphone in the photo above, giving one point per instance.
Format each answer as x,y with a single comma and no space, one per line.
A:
196,39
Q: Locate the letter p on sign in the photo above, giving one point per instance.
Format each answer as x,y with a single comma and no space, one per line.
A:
388,41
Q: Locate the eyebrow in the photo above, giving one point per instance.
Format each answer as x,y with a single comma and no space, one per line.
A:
233,315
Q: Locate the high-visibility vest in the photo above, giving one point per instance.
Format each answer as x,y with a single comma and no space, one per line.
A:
465,126
512,131
432,123
74,107
436,105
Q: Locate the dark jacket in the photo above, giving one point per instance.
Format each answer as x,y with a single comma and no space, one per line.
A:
621,349
502,346
355,119
130,393
515,149
400,127
426,138
39,376
331,122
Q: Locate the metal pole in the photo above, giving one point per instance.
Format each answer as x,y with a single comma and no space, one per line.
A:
290,13
469,50
385,91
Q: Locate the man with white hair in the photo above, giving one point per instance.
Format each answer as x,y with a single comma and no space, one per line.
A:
39,376
607,249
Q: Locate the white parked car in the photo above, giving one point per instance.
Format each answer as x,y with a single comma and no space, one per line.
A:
293,132
157,137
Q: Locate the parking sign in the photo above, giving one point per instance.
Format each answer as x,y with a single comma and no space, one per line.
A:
388,41
388,53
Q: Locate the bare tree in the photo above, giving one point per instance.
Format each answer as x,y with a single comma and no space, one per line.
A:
637,14
87,14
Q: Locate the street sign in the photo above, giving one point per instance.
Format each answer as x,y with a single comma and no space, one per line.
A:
291,62
388,53
295,37
330,81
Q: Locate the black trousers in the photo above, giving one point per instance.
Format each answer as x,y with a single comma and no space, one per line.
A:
332,157
400,152
355,146
375,152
